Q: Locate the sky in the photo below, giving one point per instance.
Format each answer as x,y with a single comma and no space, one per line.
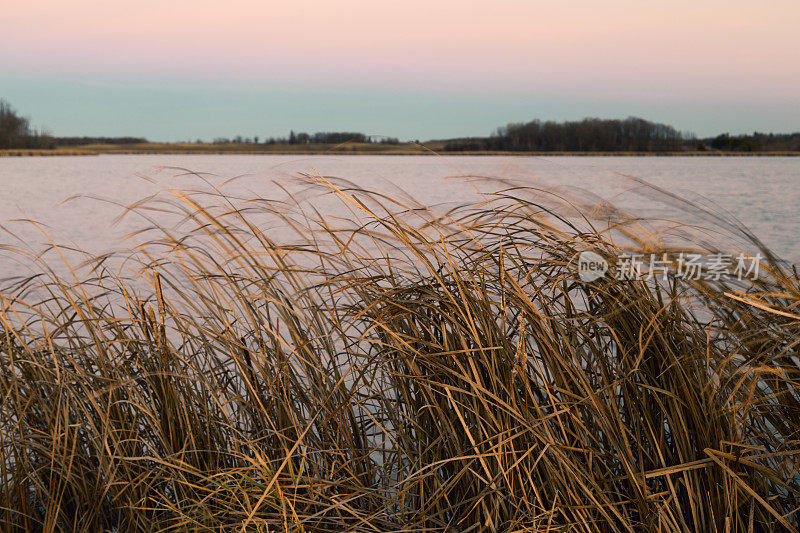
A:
175,70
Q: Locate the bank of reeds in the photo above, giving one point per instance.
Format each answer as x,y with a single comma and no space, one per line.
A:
403,370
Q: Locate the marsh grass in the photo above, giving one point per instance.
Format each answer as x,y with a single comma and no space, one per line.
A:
397,369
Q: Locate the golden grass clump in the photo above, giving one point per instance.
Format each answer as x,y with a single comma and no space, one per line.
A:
397,369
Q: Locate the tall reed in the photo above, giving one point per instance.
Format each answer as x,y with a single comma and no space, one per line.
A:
398,369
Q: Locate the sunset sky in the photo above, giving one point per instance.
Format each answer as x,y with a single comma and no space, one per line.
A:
179,69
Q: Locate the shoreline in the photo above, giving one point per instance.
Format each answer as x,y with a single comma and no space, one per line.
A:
355,151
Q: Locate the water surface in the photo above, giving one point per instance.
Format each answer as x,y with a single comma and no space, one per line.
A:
761,192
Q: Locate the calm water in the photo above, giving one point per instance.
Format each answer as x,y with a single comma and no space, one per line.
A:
762,193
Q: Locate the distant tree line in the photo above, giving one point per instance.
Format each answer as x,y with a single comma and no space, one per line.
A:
16,131
629,135
587,135
757,142
83,141
323,137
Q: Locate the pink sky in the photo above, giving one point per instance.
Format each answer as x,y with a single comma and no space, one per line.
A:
175,69
731,47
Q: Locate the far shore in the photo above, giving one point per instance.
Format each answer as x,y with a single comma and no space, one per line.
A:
432,148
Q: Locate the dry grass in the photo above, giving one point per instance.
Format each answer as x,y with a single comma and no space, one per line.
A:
401,371
26,152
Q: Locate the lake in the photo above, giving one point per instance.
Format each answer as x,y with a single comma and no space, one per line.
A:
762,193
